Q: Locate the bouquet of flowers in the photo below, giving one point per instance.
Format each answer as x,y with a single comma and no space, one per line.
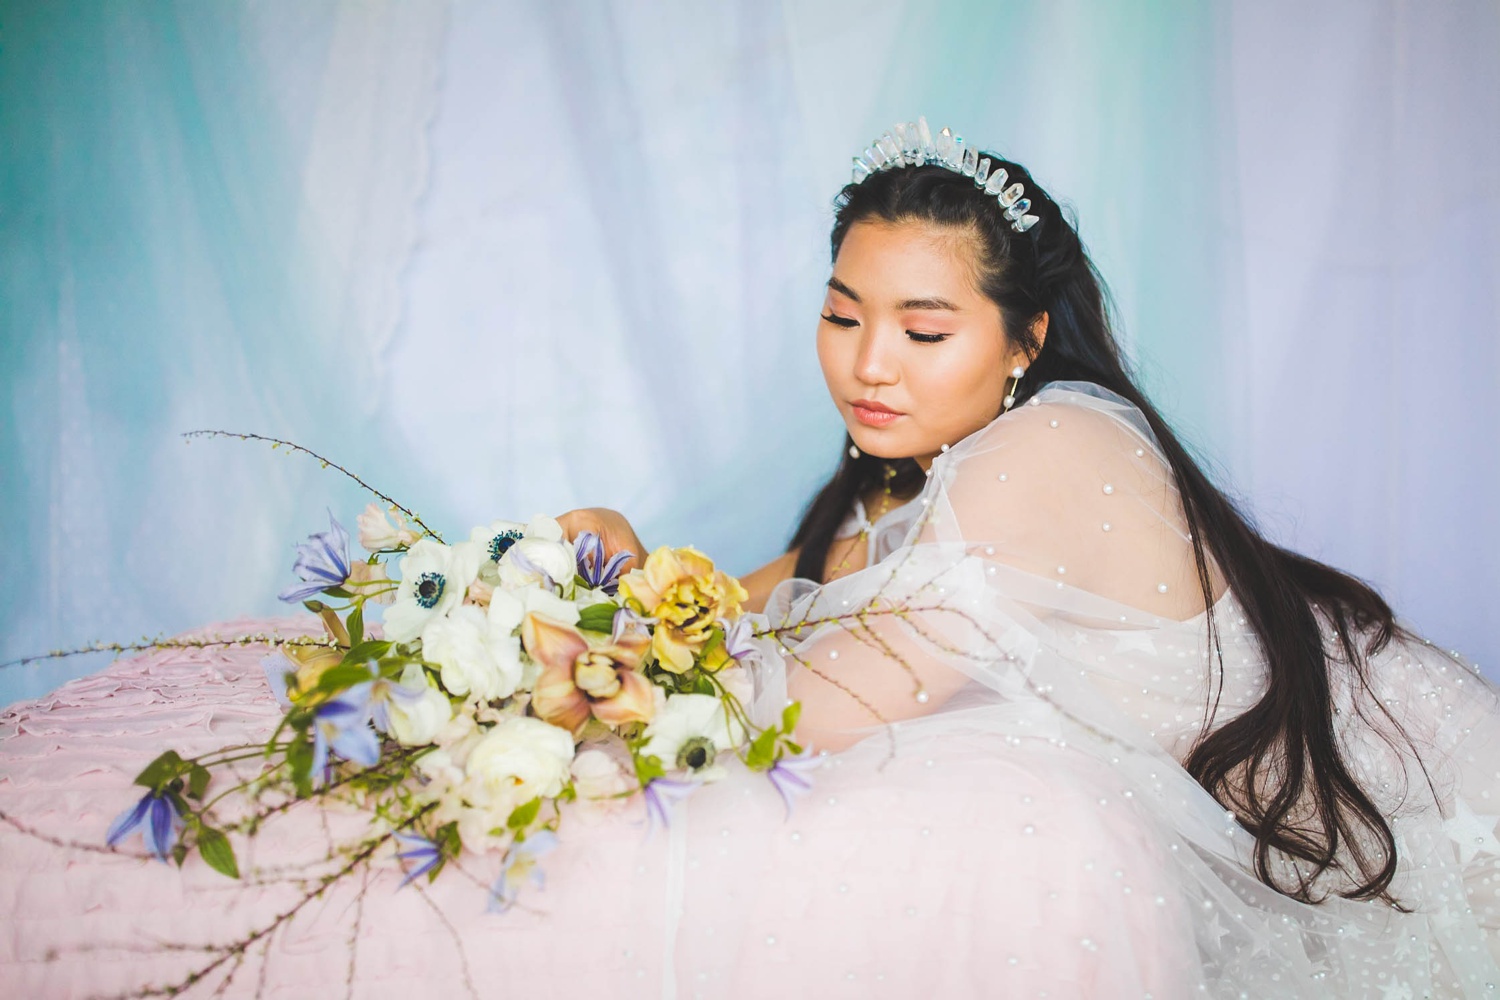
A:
519,676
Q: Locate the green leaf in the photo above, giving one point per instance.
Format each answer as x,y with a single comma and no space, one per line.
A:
160,772
789,717
762,753
343,677
198,777
299,757
337,592
702,685
598,618
216,850
648,768
362,652
522,815
355,625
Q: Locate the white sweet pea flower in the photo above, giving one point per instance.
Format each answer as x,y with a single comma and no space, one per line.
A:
689,732
517,761
377,530
598,775
738,683
533,562
476,657
416,721
434,579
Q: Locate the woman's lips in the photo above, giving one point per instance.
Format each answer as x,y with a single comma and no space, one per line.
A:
873,414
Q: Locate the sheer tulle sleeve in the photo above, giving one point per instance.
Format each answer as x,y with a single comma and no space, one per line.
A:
1058,515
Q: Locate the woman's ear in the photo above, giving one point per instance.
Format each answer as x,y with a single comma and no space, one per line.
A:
1023,359
1039,332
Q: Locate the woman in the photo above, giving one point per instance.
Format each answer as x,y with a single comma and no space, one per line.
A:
1090,735
1335,739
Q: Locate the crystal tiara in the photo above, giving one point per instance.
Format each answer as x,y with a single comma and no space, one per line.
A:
911,144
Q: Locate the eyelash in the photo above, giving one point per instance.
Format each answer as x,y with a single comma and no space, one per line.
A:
921,338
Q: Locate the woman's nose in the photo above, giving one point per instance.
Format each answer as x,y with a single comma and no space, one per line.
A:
874,365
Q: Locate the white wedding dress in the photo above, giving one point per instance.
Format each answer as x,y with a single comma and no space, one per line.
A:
1004,812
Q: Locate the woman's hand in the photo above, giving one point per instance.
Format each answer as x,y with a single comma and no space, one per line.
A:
612,529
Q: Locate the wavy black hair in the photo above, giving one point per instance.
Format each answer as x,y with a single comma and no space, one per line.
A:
1278,765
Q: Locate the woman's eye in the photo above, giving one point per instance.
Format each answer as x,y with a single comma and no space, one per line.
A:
843,321
927,338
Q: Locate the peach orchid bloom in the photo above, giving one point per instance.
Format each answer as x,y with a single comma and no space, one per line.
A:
579,680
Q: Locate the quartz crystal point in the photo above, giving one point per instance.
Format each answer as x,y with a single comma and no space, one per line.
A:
982,171
924,135
970,160
861,171
944,146
1010,195
1024,223
891,148
996,182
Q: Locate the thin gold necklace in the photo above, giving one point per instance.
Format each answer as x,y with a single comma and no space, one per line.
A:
886,501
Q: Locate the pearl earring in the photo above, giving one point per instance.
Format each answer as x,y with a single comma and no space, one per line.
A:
1010,397
853,451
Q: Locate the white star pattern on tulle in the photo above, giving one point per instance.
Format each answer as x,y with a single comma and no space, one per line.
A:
1396,991
1139,641
1472,833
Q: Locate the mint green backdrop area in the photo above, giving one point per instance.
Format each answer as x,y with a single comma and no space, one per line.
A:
514,258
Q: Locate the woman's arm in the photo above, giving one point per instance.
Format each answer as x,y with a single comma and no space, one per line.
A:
761,582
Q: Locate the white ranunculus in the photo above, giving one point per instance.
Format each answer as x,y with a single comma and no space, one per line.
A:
417,721
508,608
517,761
434,579
689,732
524,564
477,658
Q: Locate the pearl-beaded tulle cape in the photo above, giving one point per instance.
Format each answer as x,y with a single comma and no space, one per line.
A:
1003,811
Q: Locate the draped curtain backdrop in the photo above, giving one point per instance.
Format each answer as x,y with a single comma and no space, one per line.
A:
509,258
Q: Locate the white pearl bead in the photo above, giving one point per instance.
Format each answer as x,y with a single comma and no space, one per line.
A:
1108,488
1105,525
833,654
1003,477
1161,588
1052,423
922,697
853,451
944,448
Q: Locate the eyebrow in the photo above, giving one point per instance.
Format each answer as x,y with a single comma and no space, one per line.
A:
930,303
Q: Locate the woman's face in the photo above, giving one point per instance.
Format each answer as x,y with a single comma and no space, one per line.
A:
915,356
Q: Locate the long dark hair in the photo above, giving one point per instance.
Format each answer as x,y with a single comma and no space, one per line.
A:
1277,766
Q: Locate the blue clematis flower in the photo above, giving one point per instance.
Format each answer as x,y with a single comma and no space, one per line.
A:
519,867
423,854
342,724
788,777
322,562
662,794
600,573
737,641
158,820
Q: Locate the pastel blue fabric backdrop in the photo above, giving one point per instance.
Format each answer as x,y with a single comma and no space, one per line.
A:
520,257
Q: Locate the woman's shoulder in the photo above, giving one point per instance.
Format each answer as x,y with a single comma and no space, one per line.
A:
1068,429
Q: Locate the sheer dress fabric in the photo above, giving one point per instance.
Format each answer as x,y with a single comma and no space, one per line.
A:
1002,810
